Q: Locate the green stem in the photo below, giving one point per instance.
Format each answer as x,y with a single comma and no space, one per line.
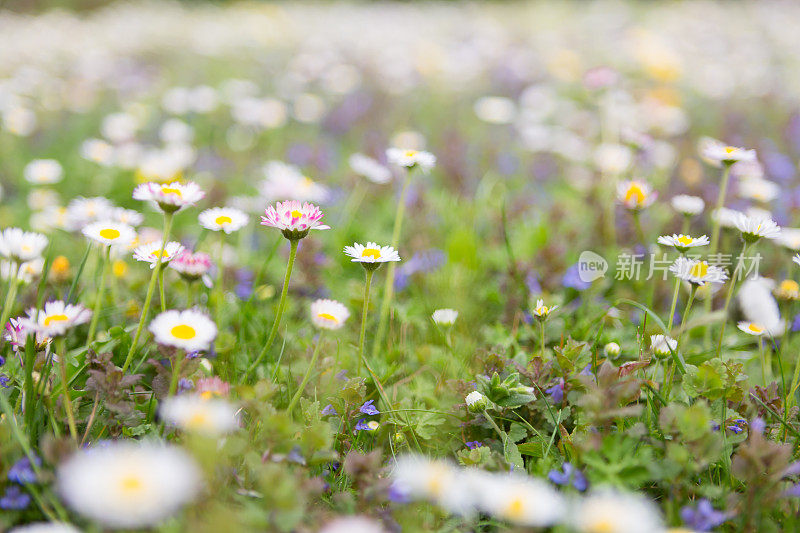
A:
150,289
161,290
364,310
276,323
303,383
98,300
541,323
731,288
176,372
714,244
686,313
12,294
674,304
62,358
388,288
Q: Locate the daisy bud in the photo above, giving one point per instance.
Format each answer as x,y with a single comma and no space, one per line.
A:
611,349
476,402
662,345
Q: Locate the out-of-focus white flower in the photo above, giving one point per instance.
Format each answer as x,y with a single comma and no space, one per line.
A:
82,211
126,216
196,414
328,314
21,246
717,153
24,272
688,205
169,197
759,306
46,527
41,198
20,121
189,330
308,108
757,189
119,127
407,158
613,158
614,512
175,130
635,195
436,481
369,168
519,499
789,238
43,171
495,109
445,317
128,485
286,182
725,217
98,151
352,524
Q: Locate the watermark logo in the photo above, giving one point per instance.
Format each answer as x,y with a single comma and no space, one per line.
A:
591,266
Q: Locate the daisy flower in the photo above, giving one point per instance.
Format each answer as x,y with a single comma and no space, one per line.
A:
82,211
353,524
127,484
445,317
213,387
149,253
195,414
753,228
170,197
190,330
541,311
476,402
56,318
682,242
192,266
126,216
635,195
227,219
24,272
286,182
98,151
16,332
43,171
716,152
751,328
519,499
759,189
614,512
688,205
372,255
417,477
45,527
109,233
759,306
21,246
789,238
725,217
425,161
293,218
697,272
369,168
328,314
663,345
788,289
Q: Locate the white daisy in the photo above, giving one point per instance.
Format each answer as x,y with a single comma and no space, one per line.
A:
126,216
716,152
287,182
43,171
24,272
608,511
437,481
758,189
541,311
170,197
46,527
56,318
227,219
519,499
127,484
353,524
751,328
98,151
190,330
21,246
796,258
758,305
149,253
81,211
195,414
788,289
753,228
369,168
425,161
682,242
372,253
725,217
663,345
110,233
445,317
328,314
635,194
697,272
688,205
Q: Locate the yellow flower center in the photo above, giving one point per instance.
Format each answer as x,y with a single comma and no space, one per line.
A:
601,526
307,183
371,252
197,421
223,219
515,509
296,214
789,285
635,194
328,316
755,328
410,153
170,190
206,394
730,149
685,240
700,270
184,332
131,483
109,233
158,253
55,318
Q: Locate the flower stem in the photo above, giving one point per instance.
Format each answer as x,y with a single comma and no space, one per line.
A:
62,358
98,300
714,244
176,372
686,312
161,290
731,287
674,304
303,383
541,323
364,310
388,288
150,289
279,312
11,296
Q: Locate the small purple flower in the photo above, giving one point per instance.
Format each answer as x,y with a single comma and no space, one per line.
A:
398,493
556,392
244,285
532,283
572,279
420,262
368,408
328,410
341,375
758,425
295,456
704,517
14,499
185,385
569,475
363,425
21,472
4,381
473,444
2,360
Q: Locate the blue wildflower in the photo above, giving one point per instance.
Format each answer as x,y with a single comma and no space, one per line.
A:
368,408
14,499
328,410
569,475
473,444
704,517
185,385
572,279
22,472
4,381
420,262
363,425
556,392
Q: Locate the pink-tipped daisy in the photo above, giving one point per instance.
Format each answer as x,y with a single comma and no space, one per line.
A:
149,253
170,197
192,266
293,218
635,195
